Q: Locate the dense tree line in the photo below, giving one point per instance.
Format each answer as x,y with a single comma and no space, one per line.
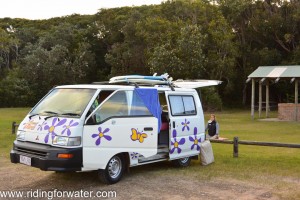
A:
189,39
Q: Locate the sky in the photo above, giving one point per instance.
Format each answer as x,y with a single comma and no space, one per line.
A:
45,9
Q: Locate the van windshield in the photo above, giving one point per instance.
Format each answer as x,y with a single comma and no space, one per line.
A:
64,102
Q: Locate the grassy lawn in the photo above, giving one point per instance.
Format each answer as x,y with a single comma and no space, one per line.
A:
274,167
7,116
271,160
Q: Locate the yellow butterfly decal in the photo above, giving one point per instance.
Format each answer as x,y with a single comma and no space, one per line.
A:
137,135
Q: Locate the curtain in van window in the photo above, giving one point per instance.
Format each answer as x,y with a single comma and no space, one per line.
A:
138,107
150,98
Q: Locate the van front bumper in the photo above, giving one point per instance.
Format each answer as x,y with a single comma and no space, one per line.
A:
45,157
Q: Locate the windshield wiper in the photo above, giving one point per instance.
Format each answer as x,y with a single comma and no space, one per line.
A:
54,114
50,112
71,114
34,115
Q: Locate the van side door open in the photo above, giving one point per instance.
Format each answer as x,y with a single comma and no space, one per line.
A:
122,124
186,124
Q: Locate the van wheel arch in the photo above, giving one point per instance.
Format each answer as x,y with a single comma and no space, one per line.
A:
115,169
182,162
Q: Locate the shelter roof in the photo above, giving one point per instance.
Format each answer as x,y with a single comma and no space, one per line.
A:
292,71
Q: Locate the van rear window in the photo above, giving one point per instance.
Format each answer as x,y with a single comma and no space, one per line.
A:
182,105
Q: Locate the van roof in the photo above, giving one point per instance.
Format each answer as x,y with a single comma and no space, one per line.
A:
115,87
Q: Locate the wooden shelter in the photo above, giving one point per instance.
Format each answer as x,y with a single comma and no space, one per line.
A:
266,74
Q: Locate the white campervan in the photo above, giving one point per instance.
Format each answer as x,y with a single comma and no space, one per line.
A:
109,127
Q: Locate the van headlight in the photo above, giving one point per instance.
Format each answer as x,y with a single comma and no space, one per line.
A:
66,141
21,135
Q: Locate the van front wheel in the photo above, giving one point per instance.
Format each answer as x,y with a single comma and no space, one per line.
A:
183,162
113,171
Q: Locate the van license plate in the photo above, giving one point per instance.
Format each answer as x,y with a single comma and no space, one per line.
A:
25,160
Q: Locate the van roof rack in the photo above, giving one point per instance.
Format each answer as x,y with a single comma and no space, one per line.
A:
164,79
138,80
108,83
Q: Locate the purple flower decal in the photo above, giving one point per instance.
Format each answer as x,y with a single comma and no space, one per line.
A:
195,140
67,127
176,143
101,135
40,126
185,125
134,155
51,129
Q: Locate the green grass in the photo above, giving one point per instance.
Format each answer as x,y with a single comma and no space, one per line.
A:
7,116
255,161
239,123
274,166
278,168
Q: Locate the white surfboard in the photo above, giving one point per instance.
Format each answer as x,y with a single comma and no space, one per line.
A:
164,80
140,80
153,80
128,77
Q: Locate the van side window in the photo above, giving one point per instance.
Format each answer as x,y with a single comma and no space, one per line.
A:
137,106
100,98
116,105
182,105
121,104
177,106
189,105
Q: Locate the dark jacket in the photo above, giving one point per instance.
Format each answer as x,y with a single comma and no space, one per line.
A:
213,128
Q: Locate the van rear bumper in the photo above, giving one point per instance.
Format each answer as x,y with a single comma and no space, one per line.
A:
45,157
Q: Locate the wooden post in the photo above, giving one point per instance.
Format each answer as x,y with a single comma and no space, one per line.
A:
235,147
259,99
296,100
252,99
267,99
13,128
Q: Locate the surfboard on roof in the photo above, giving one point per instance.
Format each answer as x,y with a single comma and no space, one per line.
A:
164,79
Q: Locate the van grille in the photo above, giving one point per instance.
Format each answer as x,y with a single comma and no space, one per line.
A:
31,152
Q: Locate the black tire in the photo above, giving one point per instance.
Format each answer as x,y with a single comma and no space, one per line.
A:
113,171
183,162
60,172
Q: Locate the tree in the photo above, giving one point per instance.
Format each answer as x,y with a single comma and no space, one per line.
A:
63,57
128,56
184,58
8,48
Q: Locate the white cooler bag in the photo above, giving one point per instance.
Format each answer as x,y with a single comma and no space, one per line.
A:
206,153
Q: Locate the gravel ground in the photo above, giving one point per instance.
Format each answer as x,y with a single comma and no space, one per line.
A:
140,183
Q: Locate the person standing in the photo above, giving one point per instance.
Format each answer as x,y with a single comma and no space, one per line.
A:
213,128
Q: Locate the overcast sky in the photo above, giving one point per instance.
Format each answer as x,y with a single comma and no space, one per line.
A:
45,9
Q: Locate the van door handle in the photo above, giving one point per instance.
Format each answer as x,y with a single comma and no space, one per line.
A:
173,124
148,129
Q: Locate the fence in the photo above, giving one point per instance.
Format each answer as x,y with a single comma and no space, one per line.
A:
236,143
13,127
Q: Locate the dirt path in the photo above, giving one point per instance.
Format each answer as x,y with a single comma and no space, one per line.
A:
140,183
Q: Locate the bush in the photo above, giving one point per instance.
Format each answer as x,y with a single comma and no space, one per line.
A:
14,92
211,100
